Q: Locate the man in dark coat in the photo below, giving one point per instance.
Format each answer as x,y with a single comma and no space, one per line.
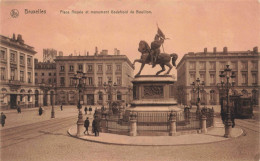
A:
90,110
40,111
95,126
19,109
3,117
61,108
86,125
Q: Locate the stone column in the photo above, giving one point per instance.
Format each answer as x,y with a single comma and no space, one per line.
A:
133,125
172,121
203,124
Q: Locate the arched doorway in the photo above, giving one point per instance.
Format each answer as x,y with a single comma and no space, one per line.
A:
203,97
45,98
52,98
212,98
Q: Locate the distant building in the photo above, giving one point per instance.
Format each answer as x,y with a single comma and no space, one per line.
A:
207,66
17,73
99,68
50,54
45,79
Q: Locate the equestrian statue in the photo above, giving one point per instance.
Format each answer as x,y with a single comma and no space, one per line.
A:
153,55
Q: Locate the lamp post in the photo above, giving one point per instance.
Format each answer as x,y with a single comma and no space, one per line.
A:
225,76
80,83
109,87
196,87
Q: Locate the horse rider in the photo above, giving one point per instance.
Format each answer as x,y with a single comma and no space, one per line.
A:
155,48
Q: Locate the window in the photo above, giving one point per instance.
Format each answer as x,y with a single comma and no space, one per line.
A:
36,74
212,66
13,57
100,96
100,68
118,81
202,65
71,68
90,68
109,68
54,80
42,80
36,80
29,63
2,73
62,81
21,76
212,79
254,65
118,67
71,81
42,74
254,78
212,96
21,60
202,77
222,65
192,78
192,65
62,68
244,78
3,55
29,98
100,81
109,78
244,65
233,65
49,74
119,96
29,77
12,74
90,82
49,80
80,66
54,74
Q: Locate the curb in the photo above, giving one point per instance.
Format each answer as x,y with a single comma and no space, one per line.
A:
108,143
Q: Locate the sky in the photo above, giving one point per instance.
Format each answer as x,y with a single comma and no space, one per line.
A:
191,25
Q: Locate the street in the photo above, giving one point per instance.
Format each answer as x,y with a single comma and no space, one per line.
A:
48,140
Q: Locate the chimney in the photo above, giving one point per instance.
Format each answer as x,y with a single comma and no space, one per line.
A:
87,53
225,50
255,49
20,39
205,50
214,50
96,51
14,36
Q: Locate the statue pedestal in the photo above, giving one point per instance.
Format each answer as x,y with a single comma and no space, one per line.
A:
153,94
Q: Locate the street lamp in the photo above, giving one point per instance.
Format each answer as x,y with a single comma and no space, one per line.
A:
225,76
196,87
109,87
80,83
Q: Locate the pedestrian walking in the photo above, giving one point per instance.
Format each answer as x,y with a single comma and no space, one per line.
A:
86,125
86,110
61,108
90,110
19,109
3,117
40,111
95,126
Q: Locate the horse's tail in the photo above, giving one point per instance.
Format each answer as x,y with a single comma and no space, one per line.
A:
174,58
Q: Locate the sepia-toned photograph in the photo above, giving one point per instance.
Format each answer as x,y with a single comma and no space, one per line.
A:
129,80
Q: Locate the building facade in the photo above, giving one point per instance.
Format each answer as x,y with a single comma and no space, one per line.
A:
17,73
207,66
99,68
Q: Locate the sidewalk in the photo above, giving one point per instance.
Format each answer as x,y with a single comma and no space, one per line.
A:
213,135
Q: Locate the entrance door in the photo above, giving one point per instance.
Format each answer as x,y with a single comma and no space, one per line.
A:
36,98
13,100
90,99
45,99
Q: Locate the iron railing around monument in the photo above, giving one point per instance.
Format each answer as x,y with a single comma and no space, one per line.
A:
191,122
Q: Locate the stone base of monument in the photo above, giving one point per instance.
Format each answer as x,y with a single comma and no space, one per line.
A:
153,101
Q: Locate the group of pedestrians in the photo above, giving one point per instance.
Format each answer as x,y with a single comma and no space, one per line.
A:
86,109
95,126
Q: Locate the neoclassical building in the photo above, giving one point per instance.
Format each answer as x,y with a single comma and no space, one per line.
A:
207,66
17,73
99,68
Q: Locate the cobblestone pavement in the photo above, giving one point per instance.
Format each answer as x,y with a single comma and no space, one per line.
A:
56,145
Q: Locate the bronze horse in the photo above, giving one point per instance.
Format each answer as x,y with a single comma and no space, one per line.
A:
163,58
